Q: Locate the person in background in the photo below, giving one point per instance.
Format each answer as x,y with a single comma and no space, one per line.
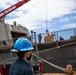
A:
61,38
47,32
39,38
22,47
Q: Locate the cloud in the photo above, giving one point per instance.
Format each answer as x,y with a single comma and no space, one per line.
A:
6,3
64,19
74,17
67,19
72,25
32,13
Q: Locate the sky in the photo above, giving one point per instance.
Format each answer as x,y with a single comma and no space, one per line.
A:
39,15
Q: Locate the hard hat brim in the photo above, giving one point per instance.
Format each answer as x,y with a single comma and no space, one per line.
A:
28,49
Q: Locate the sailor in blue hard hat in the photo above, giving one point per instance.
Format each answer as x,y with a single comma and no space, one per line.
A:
22,47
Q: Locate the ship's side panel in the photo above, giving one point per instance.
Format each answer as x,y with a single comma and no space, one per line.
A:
5,35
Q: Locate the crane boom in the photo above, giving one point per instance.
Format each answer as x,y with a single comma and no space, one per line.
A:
12,8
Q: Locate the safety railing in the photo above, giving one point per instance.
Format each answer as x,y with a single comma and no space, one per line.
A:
57,35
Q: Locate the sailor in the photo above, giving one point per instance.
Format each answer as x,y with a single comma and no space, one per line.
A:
47,32
48,37
20,67
39,38
69,69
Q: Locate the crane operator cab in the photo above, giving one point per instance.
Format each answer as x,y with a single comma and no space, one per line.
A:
48,37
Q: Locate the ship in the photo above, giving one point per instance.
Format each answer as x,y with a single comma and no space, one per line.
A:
53,50
59,52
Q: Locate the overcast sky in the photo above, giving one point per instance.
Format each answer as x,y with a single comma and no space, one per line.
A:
39,15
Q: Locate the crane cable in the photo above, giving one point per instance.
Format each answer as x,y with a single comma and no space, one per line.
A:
46,15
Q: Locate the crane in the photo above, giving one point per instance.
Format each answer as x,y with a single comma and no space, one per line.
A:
12,8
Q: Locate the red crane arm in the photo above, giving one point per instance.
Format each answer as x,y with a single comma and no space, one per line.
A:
12,8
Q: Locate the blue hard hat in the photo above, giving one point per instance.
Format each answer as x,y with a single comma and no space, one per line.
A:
22,44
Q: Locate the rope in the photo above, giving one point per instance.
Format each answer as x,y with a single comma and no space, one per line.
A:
56,47
54,65
8,60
